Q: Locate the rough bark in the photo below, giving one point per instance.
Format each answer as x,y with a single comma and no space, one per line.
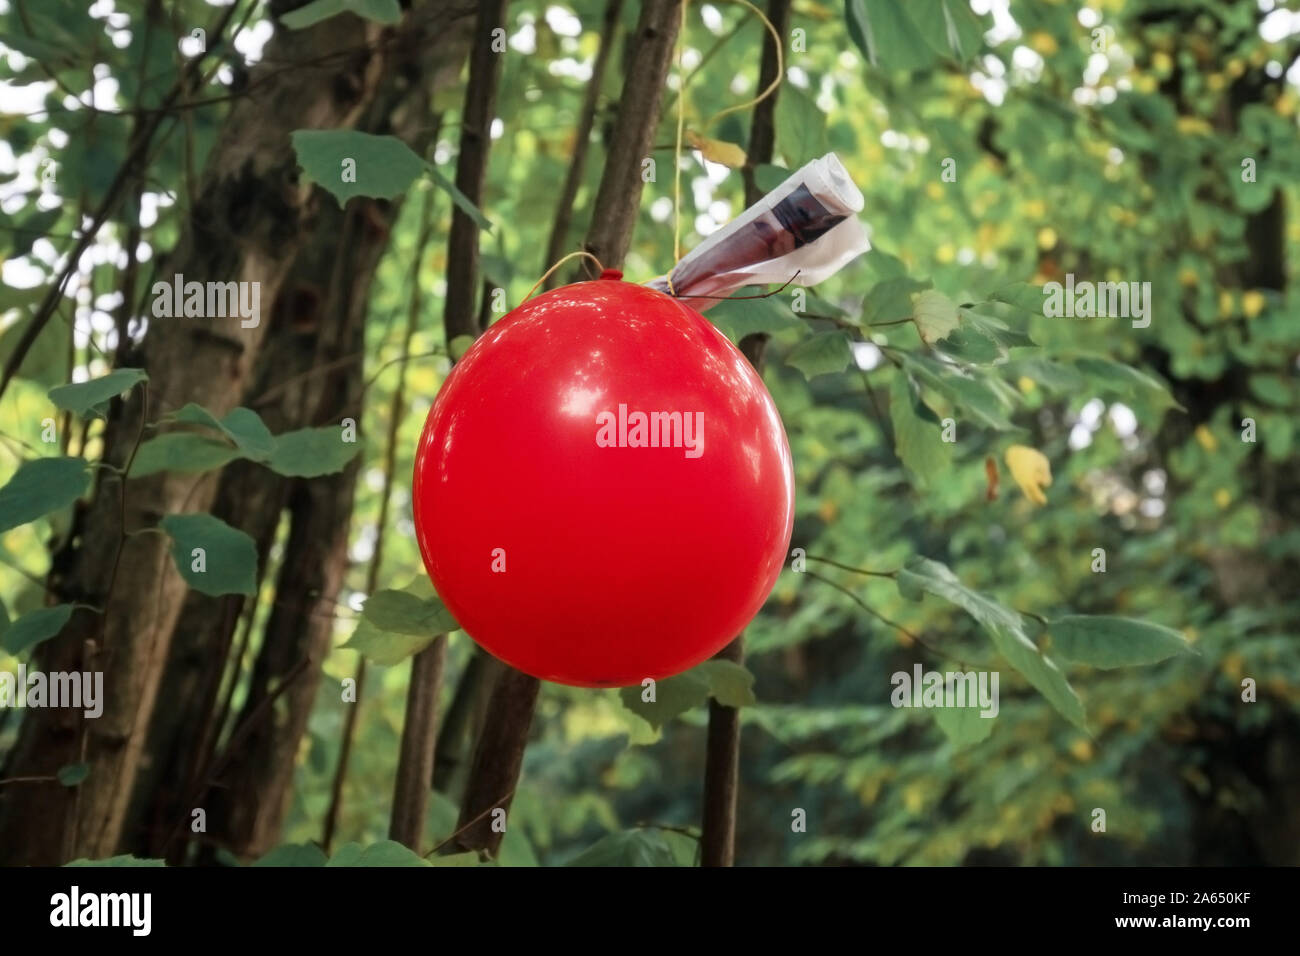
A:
557,246
722,747
246,224
250,218
460,724
618,200
498,760
471,169
322,317
498,755
419,735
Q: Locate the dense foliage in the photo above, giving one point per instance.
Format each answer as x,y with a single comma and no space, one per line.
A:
1113,528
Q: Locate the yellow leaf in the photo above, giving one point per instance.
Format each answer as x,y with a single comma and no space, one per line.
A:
1043,42
716,151
935,315
1205,438
1252,303
1031,471
1225,303
1189,125
1222,498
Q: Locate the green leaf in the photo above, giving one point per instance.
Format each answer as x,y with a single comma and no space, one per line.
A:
935,315
628,848
34,226
385,167
468,858
241,425
386,647
736,318
970,345
40,486
1056,376
886,265
913,35
83,397
404,613
72,774
384,853
821,354
1004,627
976,397
459,346
729,683
381,11
294,854
987,318
311,452
767,176
1125,381
46,362
1108,642
1273,389
228,564
123,860
459,199
53,55
891,299
396,624
183,452
15,298
1022,296
815,305
963,726
496,270
800,126
918,439
674,696
34,627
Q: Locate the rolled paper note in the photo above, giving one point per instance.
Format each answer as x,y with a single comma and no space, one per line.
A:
803,232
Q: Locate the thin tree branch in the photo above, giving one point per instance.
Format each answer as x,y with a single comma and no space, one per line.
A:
556,247
722,746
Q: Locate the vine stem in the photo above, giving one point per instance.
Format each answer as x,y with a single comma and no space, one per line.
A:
846,567
880,617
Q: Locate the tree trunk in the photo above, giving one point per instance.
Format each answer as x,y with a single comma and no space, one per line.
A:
722,746
250,217
498,755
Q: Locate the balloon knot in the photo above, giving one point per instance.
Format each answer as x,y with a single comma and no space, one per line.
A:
612,274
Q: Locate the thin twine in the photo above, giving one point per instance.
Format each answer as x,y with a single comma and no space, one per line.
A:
780,66
551,270
683,81
677,151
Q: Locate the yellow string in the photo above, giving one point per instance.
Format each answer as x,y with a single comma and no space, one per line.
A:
551,270
780,66
681,113
677,152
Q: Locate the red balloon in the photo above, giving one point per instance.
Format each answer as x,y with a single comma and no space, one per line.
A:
603,489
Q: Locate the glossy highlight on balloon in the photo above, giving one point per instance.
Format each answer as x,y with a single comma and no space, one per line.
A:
581,543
